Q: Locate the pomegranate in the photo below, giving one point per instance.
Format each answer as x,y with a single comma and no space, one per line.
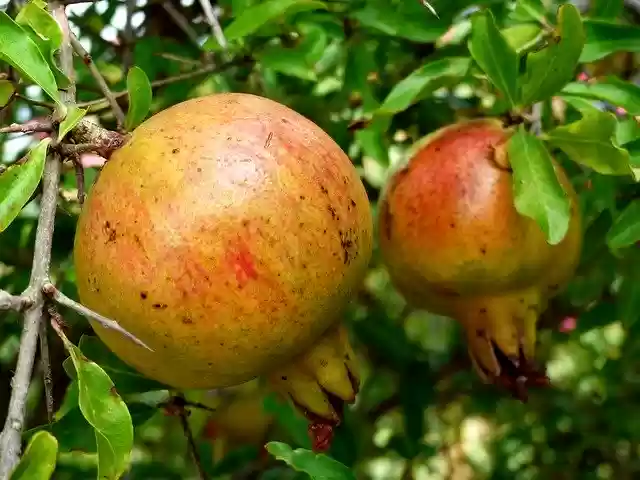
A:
455,245
228,234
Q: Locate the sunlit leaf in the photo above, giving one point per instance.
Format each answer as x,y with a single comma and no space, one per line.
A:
105,411
140,96
39,459
18,49
71,120
19,182
537,190
591,142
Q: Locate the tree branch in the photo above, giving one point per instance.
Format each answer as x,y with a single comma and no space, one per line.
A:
178,78
10,440
60,298
13,302
212,19
102,83
30,127
181,21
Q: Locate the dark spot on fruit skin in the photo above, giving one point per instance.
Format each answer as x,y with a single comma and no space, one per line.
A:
347,243
480,333
353,203
187,321
302,197
452,225
267,143
245,223
324,363
109,231
323,189
175,150
222,344
483,251
333,213
159,306
199,170
483,311
284,377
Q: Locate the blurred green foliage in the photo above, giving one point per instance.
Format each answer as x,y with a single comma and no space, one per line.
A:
377,76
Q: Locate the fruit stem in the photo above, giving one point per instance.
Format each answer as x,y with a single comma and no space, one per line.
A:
104,141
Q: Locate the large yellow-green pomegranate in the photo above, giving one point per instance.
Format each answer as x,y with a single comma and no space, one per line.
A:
228,234
455,245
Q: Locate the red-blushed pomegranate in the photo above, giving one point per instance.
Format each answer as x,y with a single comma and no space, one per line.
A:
455,245
228,235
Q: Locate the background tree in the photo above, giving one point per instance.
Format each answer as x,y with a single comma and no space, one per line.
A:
377,76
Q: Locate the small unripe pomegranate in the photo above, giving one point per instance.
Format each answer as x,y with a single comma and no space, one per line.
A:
455,245
228,234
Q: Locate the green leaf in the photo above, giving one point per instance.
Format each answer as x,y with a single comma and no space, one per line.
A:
46,33
71,120
634,156
411,88
526,10
537,190
606,9
604,38
19,182
625,230
6,92
610,89
105,411
287,61
591,142
140,96
18,49
493,54
254,17
523,36
39,459
387,19
548,70
125,378
317,466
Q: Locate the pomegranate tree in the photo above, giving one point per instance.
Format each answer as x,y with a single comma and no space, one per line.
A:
455,245
228,234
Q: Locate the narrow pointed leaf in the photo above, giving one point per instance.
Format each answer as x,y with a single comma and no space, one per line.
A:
625,231
140,96
495,57
19,182
18,49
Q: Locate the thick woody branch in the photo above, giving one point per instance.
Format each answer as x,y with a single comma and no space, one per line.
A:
30,127
10,440
13,302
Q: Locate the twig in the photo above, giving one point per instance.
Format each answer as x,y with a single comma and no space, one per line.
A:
182,22
102,83
79,168
13,302
191,443
127,34
69,149
10,445
56,295
536,118
31,127
212,18
47,377
175,79
37,103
